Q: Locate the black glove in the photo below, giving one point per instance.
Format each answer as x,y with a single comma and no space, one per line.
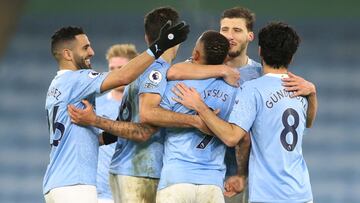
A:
109,138
169,37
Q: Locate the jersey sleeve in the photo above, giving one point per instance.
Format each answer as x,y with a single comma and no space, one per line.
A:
88,82
154,79
167,102
245,108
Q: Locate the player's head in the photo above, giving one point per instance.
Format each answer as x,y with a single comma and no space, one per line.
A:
71,45
236,24
278,43
118,55
211,48
155,19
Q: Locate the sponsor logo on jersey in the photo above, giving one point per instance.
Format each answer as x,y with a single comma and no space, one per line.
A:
93,74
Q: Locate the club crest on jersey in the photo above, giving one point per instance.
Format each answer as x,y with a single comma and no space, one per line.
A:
93,74
155,77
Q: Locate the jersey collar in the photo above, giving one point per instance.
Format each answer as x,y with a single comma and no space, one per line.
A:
282,75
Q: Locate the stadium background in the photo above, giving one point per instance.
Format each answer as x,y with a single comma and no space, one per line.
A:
328,56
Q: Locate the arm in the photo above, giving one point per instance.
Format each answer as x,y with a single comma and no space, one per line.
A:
132,131
191,71
151,113
137,65
302,87
127,73
229,133
236,184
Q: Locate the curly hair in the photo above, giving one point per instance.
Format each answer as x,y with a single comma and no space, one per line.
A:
278,43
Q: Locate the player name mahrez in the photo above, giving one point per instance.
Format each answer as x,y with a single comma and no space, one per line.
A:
54,92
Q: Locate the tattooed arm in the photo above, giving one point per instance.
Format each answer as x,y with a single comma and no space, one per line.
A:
132,131
242,150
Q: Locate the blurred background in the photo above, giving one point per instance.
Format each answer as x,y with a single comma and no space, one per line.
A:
328,56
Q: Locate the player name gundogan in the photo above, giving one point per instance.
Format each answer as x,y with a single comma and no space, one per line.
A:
279,95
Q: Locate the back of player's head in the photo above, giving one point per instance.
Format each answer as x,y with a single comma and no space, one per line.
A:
156,18
216,47
278,43
62,36
241,12
122,50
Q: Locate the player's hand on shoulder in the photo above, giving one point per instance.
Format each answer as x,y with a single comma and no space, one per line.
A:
231,75
84,116
298,85
188,96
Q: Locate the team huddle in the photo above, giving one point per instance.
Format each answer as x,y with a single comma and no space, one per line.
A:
218,127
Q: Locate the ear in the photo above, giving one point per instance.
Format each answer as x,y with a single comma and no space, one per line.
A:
196,55
259,51
146,39
67,54
251,36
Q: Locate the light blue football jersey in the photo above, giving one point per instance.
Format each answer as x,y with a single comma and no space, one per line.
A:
142,159
189,155
277,169
250,71
106,107
74,148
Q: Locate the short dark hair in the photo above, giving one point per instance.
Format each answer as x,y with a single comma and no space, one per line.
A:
156,18
278,43
62,35
241,12
216,47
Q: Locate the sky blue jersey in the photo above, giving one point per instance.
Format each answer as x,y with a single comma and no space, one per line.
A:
189,155
74,148
277,169
106,107
250,71
134,158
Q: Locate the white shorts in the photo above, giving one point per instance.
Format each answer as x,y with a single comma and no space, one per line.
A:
105,201
190,193
72,194
133,189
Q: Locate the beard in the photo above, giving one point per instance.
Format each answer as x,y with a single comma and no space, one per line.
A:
234,54
80,63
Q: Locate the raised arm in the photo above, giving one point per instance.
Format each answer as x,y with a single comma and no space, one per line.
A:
302,87
191,71
132,131
229,133
151,113
137,65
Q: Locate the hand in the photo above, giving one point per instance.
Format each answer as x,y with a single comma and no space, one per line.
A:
85,116
298,85
234,185
188,97
169,37
231,76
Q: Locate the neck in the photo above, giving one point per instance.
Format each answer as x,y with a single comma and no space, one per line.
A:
116,95
270,69
67,65
238,61
169,55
